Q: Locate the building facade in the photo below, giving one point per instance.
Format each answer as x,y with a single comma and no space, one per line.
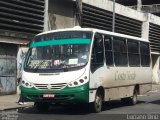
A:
20,20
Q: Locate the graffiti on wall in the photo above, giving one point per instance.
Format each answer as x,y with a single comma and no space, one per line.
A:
7,74
1,86
20,64
7,84
7,68
20,60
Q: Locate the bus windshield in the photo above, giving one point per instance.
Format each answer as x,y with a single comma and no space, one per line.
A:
59,50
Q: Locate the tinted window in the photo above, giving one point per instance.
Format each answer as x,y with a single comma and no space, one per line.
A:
145,54
108,50
97,52
119,45
133,46
120,52
133,53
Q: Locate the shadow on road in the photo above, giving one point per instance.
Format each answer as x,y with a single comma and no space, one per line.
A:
62,109
117,104
155,102
75,109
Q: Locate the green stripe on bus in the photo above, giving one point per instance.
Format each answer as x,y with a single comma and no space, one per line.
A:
61,42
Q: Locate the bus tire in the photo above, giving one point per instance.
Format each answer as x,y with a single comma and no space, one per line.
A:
97,104
41,107
133,100
130,100
125,101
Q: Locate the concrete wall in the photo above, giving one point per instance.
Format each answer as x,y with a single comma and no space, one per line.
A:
8,63
156,68
8,78
120,9
61,14
146,18
154,19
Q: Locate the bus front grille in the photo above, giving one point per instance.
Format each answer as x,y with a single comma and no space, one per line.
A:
50,86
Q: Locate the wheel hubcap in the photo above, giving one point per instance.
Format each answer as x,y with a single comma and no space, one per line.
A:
98,102
135,98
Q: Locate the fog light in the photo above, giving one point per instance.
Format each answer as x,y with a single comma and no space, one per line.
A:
75,83
81,80
26,84
85,77
23,82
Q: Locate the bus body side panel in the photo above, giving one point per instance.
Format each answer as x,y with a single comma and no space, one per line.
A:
119,82
92,93
96,80
118,92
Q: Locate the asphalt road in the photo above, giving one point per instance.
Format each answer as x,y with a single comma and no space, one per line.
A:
148,107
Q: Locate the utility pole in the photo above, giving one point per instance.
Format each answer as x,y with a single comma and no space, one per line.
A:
113,19
139,5
46,19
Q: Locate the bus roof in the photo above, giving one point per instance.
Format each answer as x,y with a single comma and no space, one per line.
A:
95,30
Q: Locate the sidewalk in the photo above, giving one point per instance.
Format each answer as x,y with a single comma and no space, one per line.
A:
155,87
8,102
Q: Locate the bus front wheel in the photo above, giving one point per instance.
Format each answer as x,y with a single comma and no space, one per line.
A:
97,104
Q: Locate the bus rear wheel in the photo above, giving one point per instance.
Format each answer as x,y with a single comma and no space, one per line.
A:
41,107
130,100
133,100
97,104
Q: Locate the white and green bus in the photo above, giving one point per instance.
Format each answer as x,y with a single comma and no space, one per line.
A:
83,65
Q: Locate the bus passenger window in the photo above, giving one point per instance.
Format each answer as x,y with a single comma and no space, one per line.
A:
108,50
120,52
97,53
145,54
133,53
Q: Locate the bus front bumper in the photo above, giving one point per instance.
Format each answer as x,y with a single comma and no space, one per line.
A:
67,95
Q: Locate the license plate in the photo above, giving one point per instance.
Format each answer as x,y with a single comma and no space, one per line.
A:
48,95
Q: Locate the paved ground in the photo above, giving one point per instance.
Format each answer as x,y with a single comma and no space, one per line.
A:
10,101
148,108
155,87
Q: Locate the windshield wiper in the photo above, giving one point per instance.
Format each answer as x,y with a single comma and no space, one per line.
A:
38,65
65,67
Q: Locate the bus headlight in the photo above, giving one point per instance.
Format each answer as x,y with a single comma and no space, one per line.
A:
74,84
26,84
77,83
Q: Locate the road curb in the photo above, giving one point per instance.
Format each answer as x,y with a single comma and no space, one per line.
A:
13,108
